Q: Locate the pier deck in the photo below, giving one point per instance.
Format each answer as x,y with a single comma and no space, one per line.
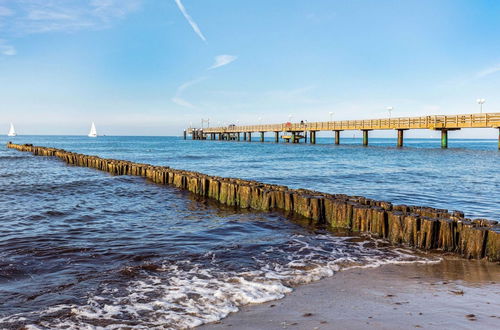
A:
443,123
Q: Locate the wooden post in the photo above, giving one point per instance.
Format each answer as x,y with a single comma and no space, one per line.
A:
294,139
305,136
365,137
313,137
239,138
400,137
185,133
498,138
249,136
244,136
337,137
444,138
220,136
277,137
261,136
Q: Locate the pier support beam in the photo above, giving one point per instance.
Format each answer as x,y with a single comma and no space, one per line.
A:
277,137
262,136
239,137
313,137
400,137
294,137
444,138
249,136
244,136
365,136
305,136
185,135
337,136
498,138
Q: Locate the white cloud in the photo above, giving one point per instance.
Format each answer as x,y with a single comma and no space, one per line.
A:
36,16
6,49
222,60
190,20
488,71
182,102
179,100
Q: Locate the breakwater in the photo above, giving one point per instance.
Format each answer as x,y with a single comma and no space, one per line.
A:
419,227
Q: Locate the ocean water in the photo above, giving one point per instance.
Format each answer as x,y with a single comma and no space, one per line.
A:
83,249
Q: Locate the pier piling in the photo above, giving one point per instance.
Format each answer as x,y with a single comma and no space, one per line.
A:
444,138
313,137
185,134
277,137
365,137
249,136
261,136
400,137
337,137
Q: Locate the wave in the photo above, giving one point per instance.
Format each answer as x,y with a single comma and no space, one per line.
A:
186,294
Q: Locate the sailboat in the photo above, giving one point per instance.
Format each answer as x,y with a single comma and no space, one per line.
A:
12,131
93,131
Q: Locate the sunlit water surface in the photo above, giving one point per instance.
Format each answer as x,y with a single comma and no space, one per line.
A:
82,248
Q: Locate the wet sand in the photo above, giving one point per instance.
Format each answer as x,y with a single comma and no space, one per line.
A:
454,294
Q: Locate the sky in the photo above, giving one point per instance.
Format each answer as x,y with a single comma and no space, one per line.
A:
155,67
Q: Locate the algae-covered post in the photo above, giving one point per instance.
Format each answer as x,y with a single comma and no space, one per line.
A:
419,227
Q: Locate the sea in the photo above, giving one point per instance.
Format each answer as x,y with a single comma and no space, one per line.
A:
83,249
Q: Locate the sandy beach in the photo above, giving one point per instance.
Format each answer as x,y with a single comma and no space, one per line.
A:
453,294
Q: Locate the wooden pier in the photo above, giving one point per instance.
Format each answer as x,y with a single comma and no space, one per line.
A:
295,132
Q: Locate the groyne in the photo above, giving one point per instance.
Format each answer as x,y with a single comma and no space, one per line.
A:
413,226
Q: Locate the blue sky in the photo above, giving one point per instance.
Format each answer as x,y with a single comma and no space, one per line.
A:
152,67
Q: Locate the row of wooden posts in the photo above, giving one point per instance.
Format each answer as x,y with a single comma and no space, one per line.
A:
413,226
296,136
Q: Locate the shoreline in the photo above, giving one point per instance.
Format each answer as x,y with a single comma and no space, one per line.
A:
455,293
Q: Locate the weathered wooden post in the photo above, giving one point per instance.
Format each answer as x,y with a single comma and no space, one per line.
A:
294,138
244,136
277,137
185,134
261,136
249,136
365,137
239,138
337,137
305,136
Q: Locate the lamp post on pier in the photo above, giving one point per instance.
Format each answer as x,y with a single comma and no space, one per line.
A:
390,111
480,102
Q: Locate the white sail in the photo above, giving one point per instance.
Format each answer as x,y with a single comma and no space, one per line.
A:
12,131
93,131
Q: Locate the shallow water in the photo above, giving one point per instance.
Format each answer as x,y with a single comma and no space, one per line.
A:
83,248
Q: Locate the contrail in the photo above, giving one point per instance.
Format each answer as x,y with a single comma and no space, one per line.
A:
190,20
